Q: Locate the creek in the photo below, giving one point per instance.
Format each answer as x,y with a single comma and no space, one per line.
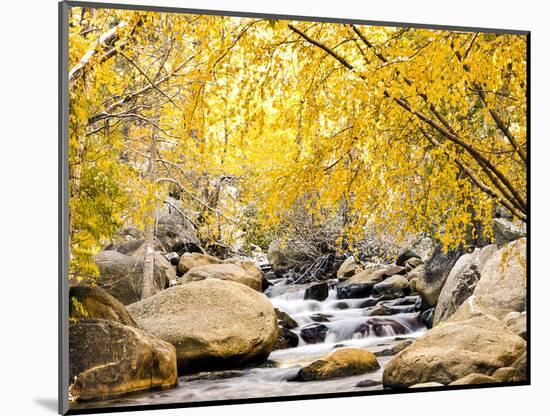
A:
358,323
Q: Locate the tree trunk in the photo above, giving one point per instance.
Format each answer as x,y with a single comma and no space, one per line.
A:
148,282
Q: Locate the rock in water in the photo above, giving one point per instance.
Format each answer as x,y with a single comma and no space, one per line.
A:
286,339
436,270
121,275
453,350
285,320
189,260
345,362
318,292
392,288
231,272
502,286
98,304
213,323
461,282
107,359
427,317
354,291
314,333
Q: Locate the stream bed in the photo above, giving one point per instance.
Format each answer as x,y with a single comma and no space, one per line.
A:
358,323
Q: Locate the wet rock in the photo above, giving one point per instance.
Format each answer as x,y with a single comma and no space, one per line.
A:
213,323
107,359
368,383
380,310
451,351
314,333
437,268
317,291
427,317
341,305
285,320
320,317
354,291
393,287
474,378
345,362
383,326
286,339
404,256
397,348
369,302
98,304
214,375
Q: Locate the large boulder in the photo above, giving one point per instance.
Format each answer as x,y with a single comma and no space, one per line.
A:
189,260
461,282
437,268
213,323
344,362
222,271
97,303
121,275
107,359
502,286
451,351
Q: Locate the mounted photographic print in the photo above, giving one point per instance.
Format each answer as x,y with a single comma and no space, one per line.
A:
265,208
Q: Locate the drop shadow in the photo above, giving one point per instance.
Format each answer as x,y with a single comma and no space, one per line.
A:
47,403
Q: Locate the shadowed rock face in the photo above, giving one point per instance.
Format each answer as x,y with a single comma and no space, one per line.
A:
342,363
107,359
454,350
121,275
213,323
502,286
98,304
437,268
461,282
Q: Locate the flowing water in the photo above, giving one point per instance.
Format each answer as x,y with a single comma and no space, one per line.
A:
349,324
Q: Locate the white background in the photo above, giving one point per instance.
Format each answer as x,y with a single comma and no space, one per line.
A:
28,195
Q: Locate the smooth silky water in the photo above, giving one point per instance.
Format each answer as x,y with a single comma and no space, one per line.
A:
350,327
